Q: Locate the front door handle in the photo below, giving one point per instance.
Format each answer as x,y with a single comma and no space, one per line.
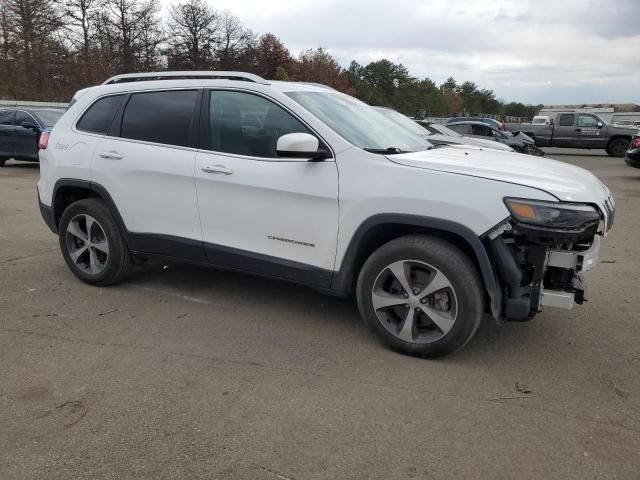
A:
578,129
217,169
110,155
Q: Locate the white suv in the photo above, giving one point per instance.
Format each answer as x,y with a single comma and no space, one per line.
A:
300,182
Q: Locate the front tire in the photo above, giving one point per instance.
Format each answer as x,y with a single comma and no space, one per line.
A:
92,244
421,296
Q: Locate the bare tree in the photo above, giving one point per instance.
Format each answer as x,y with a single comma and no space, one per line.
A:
234,40
192,30
134,28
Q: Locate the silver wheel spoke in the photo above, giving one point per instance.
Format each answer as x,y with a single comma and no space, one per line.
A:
406,329
382,299
76,253
90,221
399,271
438,282
94,263
443,320
74,230
103,246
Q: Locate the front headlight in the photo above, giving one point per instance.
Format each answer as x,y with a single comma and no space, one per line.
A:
566,216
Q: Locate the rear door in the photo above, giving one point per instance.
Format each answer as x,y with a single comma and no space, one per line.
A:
564,132
588,133
146,163
7,126
26,139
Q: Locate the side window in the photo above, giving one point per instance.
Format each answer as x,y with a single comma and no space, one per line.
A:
566,120
462,128
6,117
23,117
160,117
480,130
247,124
587,121
100,115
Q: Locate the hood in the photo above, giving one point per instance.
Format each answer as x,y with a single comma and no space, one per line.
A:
566,182
622,130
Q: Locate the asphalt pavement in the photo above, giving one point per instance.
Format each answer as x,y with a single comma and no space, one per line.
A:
186,372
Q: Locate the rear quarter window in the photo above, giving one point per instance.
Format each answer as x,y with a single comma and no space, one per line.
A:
566,120
99,116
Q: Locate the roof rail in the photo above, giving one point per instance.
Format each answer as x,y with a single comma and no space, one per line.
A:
148,76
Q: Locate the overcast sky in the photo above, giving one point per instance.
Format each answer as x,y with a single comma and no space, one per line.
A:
534,51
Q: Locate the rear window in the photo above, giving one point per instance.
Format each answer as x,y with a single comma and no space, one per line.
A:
100,115
160,117
566,120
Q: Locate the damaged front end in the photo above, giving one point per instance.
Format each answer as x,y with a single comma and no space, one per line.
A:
541,252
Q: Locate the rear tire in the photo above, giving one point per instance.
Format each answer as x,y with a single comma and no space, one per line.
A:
3,161
618,147
92,244
434,310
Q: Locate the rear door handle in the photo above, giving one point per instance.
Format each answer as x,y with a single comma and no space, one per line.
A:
578,129
217,169
110,155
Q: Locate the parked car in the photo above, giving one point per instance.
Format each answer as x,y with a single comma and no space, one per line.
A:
20,129
579,130
328,193
633,154
438,138
489,121
516,140
541,120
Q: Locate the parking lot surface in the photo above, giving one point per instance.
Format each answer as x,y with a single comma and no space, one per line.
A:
185,372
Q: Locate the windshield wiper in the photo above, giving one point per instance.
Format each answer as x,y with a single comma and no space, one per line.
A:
386,151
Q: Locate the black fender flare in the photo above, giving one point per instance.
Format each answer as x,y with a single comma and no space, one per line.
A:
344,277
96,188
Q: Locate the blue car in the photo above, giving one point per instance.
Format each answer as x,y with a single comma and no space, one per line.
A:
20,130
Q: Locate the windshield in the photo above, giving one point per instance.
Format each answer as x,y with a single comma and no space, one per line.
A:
445,130
49,117
537,121
403,120
360,124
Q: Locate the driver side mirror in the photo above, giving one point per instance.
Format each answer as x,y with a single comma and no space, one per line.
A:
30,126
301,145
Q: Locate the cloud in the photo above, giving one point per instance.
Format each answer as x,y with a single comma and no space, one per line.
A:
537,51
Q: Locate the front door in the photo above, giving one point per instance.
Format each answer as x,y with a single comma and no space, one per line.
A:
588,133
26,139
259,212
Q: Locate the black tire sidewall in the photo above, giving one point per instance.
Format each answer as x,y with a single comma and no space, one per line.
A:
118,259
453,263
610,149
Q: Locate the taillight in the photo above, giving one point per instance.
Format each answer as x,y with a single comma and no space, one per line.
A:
635,143
44,141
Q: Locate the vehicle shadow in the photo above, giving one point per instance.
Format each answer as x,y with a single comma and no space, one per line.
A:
206,285
19,164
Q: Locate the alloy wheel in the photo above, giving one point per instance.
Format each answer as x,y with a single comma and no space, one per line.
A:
414,301
87,244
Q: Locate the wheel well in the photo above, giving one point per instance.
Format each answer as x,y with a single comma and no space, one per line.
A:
380,234
66,195
623,137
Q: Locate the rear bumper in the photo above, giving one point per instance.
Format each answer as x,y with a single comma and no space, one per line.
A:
633,158
47,215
